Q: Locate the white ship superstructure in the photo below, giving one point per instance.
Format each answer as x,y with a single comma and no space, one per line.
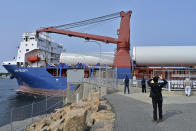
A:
42,51
35,52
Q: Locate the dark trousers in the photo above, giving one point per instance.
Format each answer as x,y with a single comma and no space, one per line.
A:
143,88
126,88
155,103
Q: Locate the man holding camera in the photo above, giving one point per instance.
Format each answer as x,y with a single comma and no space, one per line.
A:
156,95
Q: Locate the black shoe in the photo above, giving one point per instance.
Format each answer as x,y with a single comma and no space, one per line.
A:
154,121
160,120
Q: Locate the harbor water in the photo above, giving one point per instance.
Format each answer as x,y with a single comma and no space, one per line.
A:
9,100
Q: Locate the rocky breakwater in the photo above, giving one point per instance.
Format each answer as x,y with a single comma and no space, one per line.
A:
93,113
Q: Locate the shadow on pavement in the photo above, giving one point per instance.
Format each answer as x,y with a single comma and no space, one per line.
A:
171,113
111,91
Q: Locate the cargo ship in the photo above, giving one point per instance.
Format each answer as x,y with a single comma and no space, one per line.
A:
41,65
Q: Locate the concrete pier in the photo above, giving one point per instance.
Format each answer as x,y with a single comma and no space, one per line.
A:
134,111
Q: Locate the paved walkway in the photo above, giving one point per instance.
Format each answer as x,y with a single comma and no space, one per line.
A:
134,112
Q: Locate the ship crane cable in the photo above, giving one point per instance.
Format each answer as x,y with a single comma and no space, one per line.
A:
93,26
89,21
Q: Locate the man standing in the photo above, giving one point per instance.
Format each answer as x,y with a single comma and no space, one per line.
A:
187,85
126,83
143,82
157,99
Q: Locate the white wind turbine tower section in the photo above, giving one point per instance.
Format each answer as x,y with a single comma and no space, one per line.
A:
164,55
72,59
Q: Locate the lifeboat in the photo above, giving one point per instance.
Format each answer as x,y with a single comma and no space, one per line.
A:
33,58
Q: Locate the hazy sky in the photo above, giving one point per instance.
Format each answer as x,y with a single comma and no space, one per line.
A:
153,22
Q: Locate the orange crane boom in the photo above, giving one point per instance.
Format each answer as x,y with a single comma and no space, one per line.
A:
78,34
122,56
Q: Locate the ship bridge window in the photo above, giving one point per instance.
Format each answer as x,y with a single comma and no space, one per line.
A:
52,71
27,50
64,73
26,38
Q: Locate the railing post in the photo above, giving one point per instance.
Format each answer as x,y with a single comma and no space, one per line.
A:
68,93
32,112
63,98
77,97
83,91
46,104
100,88
115,78
169,88
11,119
66,101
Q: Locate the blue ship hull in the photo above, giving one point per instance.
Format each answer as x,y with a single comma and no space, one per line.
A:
40,81
37,80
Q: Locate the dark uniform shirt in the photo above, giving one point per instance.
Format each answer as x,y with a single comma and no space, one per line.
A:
156,89
143,82
126,81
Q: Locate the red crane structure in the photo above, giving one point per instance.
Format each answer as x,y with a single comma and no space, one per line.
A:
122,56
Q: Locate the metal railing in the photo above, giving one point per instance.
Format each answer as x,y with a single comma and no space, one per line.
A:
21,117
